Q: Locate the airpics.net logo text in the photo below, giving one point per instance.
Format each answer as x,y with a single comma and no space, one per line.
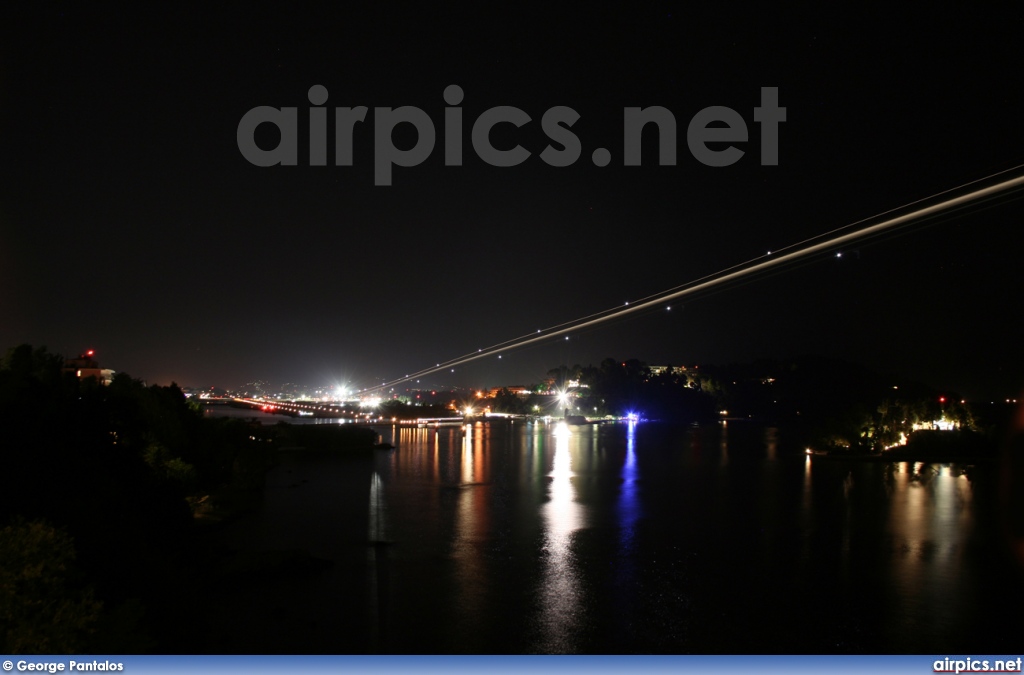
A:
717,125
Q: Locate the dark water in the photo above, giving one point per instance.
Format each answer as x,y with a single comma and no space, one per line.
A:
531,538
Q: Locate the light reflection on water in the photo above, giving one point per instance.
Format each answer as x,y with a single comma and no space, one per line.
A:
378,523
629,498
628,538
931,520
562,517
471,526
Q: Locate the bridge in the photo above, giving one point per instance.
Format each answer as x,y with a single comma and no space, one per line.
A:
347,413
355,415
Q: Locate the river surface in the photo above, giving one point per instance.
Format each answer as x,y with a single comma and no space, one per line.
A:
626,538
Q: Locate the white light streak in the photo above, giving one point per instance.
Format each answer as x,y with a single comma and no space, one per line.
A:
765,262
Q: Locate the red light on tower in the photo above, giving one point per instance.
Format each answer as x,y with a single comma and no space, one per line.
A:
942,399
90,353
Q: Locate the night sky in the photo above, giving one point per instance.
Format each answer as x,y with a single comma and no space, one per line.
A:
131,224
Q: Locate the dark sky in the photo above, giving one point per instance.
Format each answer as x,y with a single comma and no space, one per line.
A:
130,223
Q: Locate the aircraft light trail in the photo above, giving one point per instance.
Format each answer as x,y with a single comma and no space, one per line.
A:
773,259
